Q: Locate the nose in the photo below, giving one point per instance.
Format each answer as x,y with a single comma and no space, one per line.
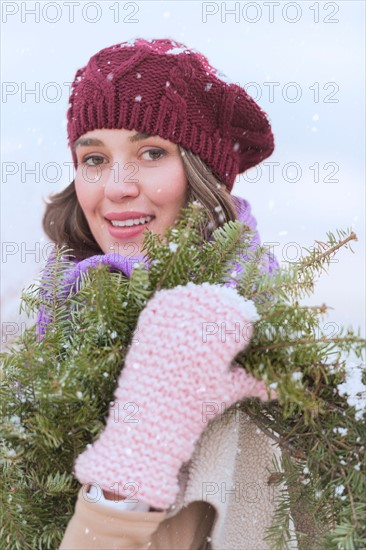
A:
122,181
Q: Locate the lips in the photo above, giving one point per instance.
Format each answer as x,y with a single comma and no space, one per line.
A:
118,232
130,215
130,223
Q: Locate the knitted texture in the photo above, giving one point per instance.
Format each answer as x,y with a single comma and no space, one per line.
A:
176,377
160,87
71,278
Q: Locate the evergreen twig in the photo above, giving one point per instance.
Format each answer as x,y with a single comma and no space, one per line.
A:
55,393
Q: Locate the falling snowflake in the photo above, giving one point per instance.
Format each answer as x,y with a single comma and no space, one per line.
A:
222,76
354,389
176,51
341,431
138,98
9,453
339,490
130,42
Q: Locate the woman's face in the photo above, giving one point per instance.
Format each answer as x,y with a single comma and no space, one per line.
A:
127,181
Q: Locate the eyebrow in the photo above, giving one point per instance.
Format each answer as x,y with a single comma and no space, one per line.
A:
88,142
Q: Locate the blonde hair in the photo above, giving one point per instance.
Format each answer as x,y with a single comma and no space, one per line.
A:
64,221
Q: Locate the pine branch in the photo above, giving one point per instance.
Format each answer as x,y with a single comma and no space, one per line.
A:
320,258
55,394
305,341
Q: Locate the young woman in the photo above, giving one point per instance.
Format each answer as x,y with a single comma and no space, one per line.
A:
152,126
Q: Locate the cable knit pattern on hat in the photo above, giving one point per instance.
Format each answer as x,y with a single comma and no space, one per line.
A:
162,88
179,364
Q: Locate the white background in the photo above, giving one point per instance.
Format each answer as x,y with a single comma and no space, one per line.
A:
319,46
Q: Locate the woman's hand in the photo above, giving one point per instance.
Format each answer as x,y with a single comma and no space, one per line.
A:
177,376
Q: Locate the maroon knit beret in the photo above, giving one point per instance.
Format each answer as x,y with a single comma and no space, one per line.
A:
160,87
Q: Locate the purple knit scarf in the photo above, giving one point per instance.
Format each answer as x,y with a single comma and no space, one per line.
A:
126,265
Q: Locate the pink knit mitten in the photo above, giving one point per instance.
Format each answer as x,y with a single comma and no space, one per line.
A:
177,369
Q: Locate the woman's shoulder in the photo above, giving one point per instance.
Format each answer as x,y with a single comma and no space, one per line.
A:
245,215
244,211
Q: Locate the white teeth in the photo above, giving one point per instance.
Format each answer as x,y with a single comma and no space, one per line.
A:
128,223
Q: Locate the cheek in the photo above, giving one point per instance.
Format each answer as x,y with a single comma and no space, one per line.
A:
87,194
169,188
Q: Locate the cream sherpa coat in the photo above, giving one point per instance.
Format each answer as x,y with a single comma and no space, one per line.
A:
225,501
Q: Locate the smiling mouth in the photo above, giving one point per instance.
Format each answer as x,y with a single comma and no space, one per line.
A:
132,222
